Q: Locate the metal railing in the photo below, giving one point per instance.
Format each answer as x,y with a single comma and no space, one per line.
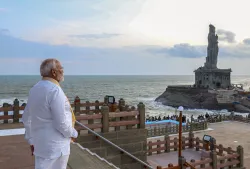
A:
114,145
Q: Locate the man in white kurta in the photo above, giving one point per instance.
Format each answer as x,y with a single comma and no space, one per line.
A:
47,119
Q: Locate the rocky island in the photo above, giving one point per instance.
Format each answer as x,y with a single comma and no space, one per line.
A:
212,89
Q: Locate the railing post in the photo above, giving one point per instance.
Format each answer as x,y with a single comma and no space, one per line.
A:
175,144
90,121
126,108
202,165
77,105
181,161
158,147
213,156
197,143
129,118
16,111
97,109
150,148
5,105
183,143
191,127
220,149
117,119
141,109
191,139
205,124
87,107
240,151
105,118
121,104
166,131
167,144
106,100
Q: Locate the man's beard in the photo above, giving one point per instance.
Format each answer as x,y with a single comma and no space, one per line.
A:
61,79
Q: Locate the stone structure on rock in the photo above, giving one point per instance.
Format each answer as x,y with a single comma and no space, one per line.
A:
212,88
209,76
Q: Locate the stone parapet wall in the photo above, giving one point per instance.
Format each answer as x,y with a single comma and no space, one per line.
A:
133,141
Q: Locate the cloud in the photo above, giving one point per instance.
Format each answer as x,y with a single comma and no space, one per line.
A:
4,31
16,53
246,41
90,24
3,9
149,59
29,49
192,51
25,48
181,50
95,36
226,36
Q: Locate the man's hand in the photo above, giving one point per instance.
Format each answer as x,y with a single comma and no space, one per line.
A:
32,149
73,139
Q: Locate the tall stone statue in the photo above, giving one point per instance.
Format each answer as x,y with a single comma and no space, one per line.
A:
212,49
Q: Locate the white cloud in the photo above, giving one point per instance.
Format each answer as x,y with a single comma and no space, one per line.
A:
114,18
149,22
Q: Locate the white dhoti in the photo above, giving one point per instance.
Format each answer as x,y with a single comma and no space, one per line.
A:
58,163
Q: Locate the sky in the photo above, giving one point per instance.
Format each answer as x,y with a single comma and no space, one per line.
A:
122,37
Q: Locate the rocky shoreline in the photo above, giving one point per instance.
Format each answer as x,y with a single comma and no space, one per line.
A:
197,98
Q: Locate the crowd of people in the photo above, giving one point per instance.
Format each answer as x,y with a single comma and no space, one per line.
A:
184,118
203,117
173,117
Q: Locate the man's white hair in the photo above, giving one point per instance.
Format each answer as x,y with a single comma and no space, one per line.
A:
47,65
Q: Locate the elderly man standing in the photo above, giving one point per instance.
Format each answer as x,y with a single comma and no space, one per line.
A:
48,119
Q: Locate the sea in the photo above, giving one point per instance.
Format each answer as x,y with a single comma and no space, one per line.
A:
133,89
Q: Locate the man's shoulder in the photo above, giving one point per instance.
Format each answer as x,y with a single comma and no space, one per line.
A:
44,86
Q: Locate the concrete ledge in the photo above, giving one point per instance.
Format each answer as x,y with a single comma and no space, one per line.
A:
12,132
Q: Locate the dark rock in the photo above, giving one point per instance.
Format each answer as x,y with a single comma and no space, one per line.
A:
196,98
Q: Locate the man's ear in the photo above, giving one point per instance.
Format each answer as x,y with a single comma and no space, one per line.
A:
53,72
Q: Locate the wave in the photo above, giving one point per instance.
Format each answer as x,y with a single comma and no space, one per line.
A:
11,100
244,81
153,108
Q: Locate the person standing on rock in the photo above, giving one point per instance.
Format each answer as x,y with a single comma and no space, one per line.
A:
48,119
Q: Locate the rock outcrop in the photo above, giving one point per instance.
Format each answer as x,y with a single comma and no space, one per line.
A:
196,98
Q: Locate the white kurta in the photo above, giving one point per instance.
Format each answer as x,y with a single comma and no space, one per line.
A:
48,122
58,163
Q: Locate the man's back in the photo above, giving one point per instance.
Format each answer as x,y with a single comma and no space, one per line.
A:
47,140
48,119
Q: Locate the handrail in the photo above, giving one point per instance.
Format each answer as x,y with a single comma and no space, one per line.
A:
189,165
114,145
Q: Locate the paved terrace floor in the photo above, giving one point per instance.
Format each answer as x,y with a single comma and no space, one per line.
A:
15,151
229,134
